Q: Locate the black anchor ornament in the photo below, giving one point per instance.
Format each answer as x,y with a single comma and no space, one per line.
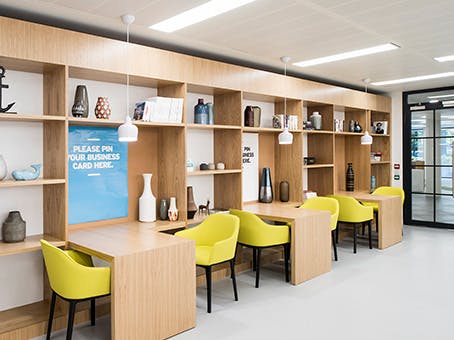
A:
2,86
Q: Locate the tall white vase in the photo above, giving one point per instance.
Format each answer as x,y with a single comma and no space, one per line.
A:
147,202
3,168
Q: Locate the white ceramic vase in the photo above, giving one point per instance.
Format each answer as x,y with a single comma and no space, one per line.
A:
147,202
173,211
3,168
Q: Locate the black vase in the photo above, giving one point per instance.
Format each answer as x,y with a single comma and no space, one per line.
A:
284,191
192,208
266,188
13,229
80,107
350,178
248,116
163,208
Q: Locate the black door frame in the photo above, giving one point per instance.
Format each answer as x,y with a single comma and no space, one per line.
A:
406,155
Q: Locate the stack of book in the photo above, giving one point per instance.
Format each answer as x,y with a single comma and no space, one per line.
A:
159,109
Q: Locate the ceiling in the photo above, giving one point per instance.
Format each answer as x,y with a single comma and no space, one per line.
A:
259,33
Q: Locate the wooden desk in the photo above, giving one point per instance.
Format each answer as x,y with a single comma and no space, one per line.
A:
310,237
152,278
389,216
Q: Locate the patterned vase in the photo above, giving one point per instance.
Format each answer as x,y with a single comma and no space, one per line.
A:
102,108
173,211
350,178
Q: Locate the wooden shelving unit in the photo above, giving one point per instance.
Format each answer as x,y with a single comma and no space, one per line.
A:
162,147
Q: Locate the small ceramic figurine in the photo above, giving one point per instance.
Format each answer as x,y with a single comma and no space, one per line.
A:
27,174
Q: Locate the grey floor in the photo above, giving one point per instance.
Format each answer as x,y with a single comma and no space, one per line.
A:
404,292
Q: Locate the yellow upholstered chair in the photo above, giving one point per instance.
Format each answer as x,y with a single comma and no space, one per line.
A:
353,212
215,242
257,234
73,278
387,191
331,205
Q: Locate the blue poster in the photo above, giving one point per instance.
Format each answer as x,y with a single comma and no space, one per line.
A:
98,174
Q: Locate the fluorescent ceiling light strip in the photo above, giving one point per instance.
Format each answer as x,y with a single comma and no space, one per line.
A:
446,58
418,78
197,14
347,55
441,96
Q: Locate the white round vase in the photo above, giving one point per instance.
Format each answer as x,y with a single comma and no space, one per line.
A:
147,202
3,168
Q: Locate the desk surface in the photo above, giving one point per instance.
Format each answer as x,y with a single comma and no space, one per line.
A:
111,241
281,211
365,196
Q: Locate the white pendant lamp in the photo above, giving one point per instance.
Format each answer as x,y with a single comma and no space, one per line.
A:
366,139
285,137
127,132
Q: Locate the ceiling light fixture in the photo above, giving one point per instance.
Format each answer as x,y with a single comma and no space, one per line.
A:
197,14
411,79
127,132
366,139
285,137
441,96
446,58
347,55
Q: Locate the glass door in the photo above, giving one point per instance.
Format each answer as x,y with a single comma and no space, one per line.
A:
428,151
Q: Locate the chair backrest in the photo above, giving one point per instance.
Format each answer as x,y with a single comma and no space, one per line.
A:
350,210
324,203
218,227
390,191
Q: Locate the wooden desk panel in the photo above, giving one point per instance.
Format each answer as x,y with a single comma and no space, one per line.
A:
390,219
152,278
310,238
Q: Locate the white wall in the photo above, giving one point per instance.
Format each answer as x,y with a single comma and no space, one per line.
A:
396,137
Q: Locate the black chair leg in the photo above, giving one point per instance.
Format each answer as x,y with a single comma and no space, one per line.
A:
337,233
369,224
232,274
333,240
93,311
354,238
257,269
363,232
51,315
72,311
254,259
286,261
208,278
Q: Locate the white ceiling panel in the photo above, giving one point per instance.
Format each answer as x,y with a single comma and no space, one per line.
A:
264,30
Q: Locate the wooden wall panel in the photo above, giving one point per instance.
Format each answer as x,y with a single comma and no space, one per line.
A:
228,109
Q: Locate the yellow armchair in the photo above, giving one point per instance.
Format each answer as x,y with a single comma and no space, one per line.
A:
215,242
331,205
353,212
73,278
258,234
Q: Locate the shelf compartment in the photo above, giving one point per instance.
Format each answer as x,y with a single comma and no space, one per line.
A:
214,172
31,243
94,122
318,166
212,127
30,118
13,183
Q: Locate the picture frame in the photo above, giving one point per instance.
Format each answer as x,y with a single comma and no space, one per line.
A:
380,127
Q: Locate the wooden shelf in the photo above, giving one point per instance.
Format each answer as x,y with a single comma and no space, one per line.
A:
379,162
212,127
31,243
95,122
378,135
318,132
157,124
318,166
13,183
269,130
213,172
163,225
349,133
30,118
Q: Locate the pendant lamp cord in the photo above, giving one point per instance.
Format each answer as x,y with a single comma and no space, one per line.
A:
127,69
285,100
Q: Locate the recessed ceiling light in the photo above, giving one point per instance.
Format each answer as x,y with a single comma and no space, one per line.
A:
407,80
197,14
441,96
433,101
347,55
446,58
